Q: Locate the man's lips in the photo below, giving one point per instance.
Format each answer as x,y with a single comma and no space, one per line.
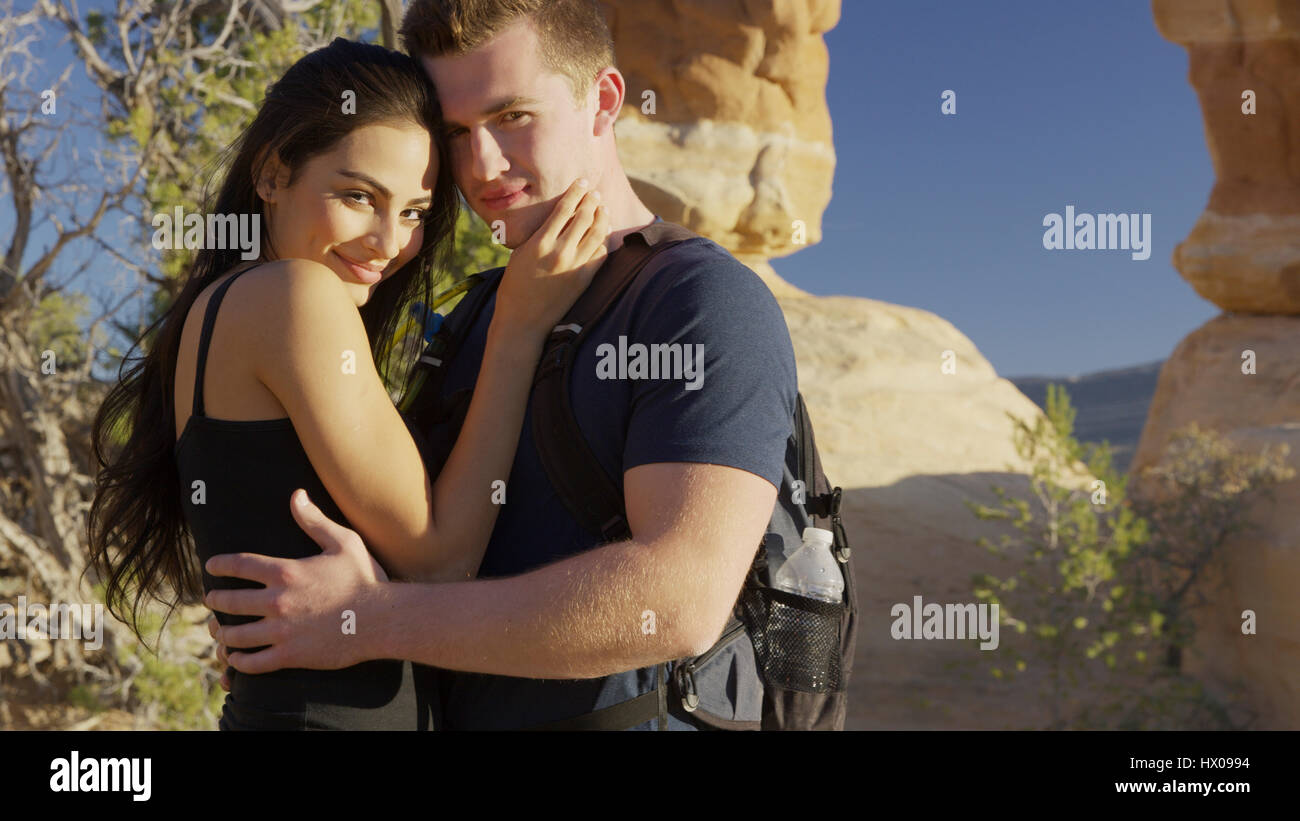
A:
499,199
368,274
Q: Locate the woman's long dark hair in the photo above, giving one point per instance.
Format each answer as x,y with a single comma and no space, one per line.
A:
139,543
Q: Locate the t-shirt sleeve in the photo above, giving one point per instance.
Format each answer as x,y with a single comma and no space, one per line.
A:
736,408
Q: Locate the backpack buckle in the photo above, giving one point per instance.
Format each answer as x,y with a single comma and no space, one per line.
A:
826,505
436,349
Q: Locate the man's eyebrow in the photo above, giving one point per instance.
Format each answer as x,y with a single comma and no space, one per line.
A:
366,178
503,105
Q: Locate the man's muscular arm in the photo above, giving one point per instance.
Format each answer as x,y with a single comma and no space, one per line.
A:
695,530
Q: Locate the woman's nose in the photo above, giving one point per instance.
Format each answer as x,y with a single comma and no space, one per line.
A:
384,240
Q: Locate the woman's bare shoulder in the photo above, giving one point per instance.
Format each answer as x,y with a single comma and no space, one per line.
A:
291,278
292,296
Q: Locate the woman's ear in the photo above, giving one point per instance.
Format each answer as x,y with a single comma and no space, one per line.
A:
272,178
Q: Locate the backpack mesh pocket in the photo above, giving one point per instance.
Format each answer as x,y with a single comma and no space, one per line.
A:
797,640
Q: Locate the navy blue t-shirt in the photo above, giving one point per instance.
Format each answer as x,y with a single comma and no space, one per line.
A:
736,411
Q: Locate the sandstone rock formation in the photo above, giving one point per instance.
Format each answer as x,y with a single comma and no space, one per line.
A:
910,444
726,128
1244,252
1246,263
1203,382
1244,255
884,409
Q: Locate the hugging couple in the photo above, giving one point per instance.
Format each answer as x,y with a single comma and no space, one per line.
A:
255,456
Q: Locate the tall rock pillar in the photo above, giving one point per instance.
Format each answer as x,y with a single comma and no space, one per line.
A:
726,129
1244,256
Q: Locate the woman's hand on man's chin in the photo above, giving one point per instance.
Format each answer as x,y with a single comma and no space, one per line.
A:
311,611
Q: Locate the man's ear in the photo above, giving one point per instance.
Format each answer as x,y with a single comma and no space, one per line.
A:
610,90
273,176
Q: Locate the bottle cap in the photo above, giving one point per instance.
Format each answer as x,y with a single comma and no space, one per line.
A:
818,536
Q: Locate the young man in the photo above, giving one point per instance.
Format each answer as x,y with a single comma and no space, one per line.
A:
556,624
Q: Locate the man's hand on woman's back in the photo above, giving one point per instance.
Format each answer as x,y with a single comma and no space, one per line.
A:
305,602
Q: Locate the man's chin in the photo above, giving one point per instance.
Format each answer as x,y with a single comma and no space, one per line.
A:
519,224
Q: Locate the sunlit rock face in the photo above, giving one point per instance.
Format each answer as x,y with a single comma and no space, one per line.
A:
1244,55
1239,374
726,129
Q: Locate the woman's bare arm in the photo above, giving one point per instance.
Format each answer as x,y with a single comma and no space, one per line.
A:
545,276
309,347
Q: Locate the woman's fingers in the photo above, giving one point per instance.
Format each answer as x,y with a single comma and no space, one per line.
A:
547,273
214,630
581,222
592,246
563,211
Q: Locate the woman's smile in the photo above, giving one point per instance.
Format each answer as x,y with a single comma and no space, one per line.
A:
367,273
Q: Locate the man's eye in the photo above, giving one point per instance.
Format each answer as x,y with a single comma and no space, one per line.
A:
515,116
453,133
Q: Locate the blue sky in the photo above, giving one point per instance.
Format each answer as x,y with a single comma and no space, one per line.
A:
1057,104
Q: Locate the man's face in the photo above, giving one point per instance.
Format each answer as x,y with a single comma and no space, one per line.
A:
517,138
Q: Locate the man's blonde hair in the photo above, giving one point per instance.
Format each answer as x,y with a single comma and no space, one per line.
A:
572,35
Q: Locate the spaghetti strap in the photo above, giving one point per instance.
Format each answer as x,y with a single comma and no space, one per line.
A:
205,336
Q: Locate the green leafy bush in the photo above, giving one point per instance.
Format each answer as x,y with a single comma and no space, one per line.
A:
1102,584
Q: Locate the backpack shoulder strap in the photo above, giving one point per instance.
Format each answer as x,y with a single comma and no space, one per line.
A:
593,497
823,501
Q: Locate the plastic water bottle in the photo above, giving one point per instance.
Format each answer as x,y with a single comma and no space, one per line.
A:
811,571
802,642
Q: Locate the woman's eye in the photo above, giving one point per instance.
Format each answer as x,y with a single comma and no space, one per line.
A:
357,196
415,215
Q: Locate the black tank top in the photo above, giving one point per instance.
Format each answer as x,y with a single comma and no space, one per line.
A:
247,472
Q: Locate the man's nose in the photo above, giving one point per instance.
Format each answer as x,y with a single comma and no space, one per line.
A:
488,161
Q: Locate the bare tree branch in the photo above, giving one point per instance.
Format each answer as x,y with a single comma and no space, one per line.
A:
391,13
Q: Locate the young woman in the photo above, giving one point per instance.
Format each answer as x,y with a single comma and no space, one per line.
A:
264,376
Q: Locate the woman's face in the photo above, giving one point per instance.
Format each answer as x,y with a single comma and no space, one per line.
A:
357,209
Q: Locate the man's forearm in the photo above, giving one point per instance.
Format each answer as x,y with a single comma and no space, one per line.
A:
604,611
